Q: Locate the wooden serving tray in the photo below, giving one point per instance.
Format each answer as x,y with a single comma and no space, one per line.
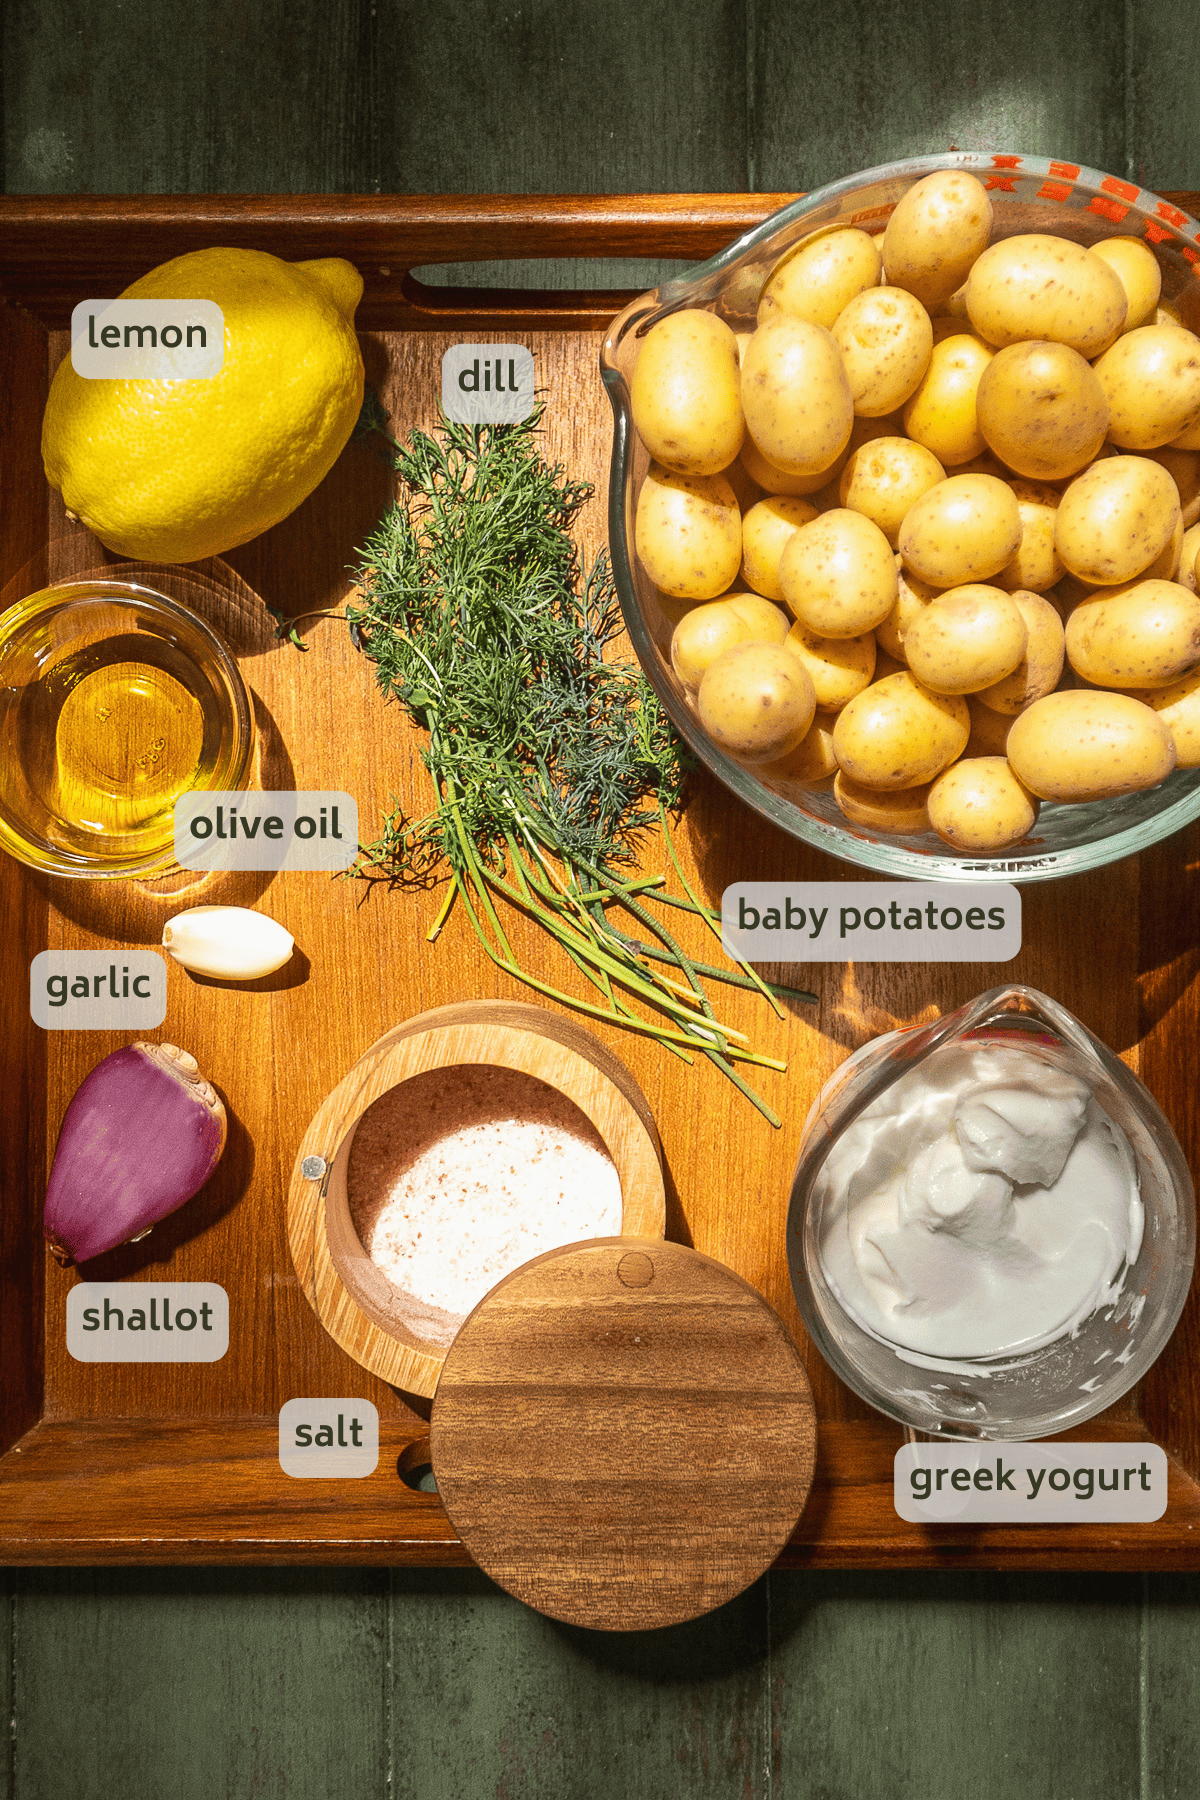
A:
178,1463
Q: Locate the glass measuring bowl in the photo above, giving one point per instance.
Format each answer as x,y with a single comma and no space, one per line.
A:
1028,194
1060,1384
114,701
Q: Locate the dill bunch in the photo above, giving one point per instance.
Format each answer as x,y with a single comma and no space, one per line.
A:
547,755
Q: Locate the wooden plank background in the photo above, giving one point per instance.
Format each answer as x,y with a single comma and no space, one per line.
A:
856,1685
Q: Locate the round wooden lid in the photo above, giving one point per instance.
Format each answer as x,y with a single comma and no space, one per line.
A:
623,1434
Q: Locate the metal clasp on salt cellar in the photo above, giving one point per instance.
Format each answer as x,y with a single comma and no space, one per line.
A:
313,1168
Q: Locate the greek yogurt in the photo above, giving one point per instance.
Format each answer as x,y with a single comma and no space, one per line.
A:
983,1205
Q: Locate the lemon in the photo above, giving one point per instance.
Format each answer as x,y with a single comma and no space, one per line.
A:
172,471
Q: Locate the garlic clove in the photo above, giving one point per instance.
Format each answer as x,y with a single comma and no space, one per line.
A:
228,943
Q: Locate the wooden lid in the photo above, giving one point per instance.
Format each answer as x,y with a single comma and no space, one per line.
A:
623,1434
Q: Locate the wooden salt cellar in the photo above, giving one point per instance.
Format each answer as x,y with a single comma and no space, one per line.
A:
624,1434
351,1297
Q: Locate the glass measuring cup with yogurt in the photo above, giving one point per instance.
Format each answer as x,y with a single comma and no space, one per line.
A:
992,1227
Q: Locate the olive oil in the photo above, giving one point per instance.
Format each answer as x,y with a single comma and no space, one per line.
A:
128,742
115,700
109,737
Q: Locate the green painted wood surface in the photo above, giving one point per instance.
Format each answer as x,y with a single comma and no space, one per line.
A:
871,84
206,1684
200,1683
567,1714
432,1685
7,1719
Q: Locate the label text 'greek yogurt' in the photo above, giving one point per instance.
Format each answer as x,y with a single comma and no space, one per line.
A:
147,1321
326,1440
487,384
147,340
871,921
275,830
1035,1484
98,990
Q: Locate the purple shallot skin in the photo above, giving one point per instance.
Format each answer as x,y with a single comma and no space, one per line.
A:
143,1132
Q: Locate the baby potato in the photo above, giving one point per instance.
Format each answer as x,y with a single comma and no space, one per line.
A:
966,639
706,632
1188,439
1139,274
769,623
1081,745
886,665
745,491
1115,518
1145,635
821,276
979,806
912,597
1151,379
897,811
1037,286
1183,466
777,481
757,702
941,414
1068,593
1178,706
1040,668
868,431
950,323
884,478
936,231
838,574
1042,410
989,730
1165,566
688,533
766,528
809,765
885,339
671,609
1189,559
702,634
963,530
1035,564
795,395
898,734
686,393
838,668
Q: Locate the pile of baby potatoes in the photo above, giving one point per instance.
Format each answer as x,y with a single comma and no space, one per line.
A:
930,530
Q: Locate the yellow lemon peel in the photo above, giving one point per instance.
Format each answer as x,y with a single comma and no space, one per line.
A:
173,471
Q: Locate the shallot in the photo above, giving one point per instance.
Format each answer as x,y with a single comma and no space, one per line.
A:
143,1133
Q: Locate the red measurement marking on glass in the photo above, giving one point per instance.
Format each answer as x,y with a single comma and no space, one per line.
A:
1070,170
1171,214
1055,190
1126,189
1006,162
1108,209
1001,181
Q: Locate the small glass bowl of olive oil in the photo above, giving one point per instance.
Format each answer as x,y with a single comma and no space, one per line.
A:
114,701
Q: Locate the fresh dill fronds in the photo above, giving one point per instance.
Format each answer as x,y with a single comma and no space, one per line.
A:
548,756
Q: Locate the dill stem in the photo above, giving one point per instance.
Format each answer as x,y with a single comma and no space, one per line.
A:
757,980
443,913
626,948
649,986
609,896
648,1027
